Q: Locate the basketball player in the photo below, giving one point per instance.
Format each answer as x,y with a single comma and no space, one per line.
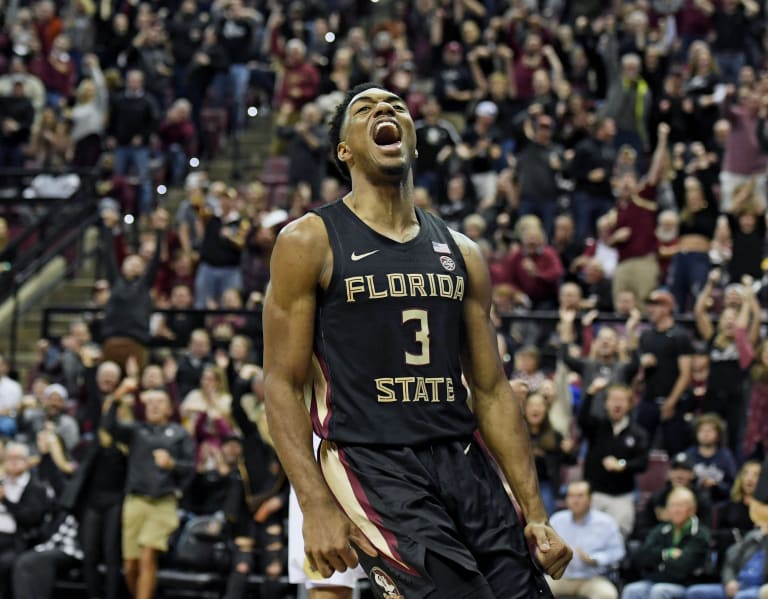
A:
375,310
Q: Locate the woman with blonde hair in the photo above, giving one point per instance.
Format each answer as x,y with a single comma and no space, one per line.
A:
212,398
89,114
550,450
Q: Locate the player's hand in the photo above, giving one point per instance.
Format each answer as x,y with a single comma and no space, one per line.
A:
551,551
328,538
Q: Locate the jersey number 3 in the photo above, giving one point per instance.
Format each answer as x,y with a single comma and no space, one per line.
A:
422,336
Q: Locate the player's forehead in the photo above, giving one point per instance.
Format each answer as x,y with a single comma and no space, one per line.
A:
374,94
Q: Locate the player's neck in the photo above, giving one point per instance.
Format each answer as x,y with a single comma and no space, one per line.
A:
387,208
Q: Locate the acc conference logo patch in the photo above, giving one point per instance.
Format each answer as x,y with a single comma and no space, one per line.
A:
386,587
448,263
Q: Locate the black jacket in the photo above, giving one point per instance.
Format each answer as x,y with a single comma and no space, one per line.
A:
130,305
29,513
631,444
131,116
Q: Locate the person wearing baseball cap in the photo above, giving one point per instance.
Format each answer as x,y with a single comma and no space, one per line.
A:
680,474
666,354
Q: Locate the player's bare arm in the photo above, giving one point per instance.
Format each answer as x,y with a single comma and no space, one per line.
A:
302,260
499,415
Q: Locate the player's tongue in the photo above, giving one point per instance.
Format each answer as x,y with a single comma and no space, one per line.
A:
387,136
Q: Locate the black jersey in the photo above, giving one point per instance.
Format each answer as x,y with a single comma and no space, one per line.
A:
388,333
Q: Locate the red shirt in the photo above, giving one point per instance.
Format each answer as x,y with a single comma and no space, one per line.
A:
544,283
639,214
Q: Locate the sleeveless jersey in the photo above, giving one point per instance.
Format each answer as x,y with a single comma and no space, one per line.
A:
388,334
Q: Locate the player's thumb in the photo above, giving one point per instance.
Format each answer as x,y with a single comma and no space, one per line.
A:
541,538
359,539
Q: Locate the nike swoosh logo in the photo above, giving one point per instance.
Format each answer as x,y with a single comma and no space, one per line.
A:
466,451
355,257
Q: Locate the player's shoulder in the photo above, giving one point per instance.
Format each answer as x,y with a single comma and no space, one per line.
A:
469,249
307,232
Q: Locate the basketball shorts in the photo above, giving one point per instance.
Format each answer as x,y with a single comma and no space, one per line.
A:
439,517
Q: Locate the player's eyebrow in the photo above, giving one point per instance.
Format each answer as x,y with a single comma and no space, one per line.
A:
391,98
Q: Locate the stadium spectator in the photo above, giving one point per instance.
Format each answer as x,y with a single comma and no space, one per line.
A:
211,398
713,463
534,268
178,137
307,145
746,223
665,355
160,457
24,502
133,117
18,113
674,553
698,212
591,169
540,162
743,573
224,230
126,318
550,449
733,521
617,450
597,544
634,225
436,142
10,390
606,359
680,474
743,157
725,392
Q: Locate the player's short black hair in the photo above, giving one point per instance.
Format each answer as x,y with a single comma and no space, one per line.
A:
338,120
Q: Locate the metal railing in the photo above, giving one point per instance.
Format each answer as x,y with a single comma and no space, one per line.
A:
55,227
51,314
50,320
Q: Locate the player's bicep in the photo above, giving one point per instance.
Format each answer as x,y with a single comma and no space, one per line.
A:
481,362
289,305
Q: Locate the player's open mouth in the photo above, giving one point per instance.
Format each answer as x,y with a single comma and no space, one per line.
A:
387,135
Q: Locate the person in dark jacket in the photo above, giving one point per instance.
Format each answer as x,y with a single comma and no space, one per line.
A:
224,233
133,117
24,503
258,499
674,553
15,126
592,167
126,317
617,451
86,530
160,461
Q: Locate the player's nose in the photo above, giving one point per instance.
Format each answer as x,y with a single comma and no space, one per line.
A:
383,108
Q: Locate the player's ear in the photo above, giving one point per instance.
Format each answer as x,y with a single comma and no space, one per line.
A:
343,152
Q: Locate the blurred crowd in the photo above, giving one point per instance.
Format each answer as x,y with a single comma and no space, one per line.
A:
609,159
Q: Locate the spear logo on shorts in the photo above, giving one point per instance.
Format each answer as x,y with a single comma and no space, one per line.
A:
388,588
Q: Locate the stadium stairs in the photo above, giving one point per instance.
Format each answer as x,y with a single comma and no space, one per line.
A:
237,162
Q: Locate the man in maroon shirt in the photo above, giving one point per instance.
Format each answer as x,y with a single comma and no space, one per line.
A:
535,269
634,229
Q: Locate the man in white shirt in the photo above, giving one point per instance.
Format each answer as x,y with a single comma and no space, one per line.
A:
10,391
597,546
